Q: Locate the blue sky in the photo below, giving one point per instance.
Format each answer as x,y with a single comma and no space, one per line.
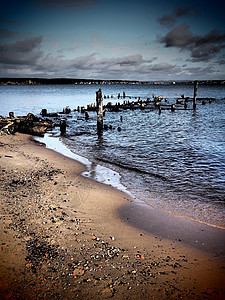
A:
102,39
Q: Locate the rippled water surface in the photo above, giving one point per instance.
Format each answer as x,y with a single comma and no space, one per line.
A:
174,161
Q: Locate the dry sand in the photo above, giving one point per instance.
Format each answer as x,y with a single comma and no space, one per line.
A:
64,236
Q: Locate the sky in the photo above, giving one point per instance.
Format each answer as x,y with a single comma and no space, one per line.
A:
119,39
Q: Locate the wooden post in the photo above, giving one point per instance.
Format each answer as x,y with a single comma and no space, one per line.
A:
160,109
11,115
86,115
44,112
99,105
173,107
195,94
68,110
63,126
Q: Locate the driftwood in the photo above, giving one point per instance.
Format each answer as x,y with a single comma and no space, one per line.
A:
29,124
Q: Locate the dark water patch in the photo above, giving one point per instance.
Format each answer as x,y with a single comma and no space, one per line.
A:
130,168
184,230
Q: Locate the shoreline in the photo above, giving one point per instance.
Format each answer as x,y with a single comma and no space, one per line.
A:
76,224
93,171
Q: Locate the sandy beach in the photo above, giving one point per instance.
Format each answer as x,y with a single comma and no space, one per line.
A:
64,236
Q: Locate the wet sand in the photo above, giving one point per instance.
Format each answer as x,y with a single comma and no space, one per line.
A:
66,236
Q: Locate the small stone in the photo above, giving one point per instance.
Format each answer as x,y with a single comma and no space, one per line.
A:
78,272
108,292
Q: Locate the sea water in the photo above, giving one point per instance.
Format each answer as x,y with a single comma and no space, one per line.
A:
173,161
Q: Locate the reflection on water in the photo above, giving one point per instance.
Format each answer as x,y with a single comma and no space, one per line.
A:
92,171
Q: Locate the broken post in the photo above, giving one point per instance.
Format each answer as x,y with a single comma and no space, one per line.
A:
173,107
195,94
99,106
44,112
63,126
67,110
11,115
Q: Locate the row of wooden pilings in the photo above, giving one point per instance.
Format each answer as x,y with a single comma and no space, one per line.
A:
98,107
100,111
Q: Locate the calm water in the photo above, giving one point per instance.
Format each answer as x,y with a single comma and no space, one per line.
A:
172,161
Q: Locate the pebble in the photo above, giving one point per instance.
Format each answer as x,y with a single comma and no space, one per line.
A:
70,256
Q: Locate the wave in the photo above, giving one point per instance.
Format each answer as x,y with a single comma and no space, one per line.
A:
131,168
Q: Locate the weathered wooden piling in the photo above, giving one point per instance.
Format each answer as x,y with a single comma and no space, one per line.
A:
67,110
44,112
86,115
11,115
195,94
82,109
63,126
160,109
99,106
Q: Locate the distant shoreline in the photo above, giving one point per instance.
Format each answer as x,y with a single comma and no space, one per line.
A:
48,81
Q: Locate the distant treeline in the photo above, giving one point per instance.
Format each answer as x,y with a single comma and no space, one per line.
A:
46,81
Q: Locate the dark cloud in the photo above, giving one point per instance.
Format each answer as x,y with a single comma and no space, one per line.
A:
180,37
4,21
5,33
221,62
185,11
163,67
202,48
200,72
205,52
130,60
169,20
91,63
127,67
24,52
73,4
24,58
213,36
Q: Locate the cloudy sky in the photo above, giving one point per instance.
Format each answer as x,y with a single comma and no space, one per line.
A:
119,39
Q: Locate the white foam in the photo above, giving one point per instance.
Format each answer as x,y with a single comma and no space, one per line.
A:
93,170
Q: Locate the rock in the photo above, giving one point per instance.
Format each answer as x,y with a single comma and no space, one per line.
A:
108,292
78,272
